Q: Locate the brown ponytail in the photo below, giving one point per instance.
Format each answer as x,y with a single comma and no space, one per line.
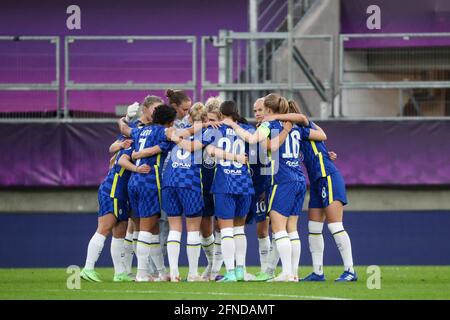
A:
276,103
293,107
177,97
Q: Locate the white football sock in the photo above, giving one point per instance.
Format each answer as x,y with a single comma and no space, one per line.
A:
95,248
296,250
156,253
228,248
274,257
208,248
264,248
128,246
193,251
143,252
152,268
163,234
316,245
285,251
173,251
135,239
240,244
343,243
118,255
217,258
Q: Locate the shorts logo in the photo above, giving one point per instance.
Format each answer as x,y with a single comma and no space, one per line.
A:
324,193
120,211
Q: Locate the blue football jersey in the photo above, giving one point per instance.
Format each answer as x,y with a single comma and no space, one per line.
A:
146,137
285,164
230,176
183,169
259,167
315,156
207,171
116,182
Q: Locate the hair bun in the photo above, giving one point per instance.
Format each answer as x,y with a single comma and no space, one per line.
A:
169,93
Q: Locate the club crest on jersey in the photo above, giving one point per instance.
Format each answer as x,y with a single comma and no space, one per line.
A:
209,162
301,156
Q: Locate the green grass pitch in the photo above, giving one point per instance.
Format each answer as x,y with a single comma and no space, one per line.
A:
402,282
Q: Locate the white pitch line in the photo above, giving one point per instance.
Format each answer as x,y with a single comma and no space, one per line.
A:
185,292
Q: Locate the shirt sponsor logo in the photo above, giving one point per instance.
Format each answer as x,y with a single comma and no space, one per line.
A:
176,165
232,172
292,163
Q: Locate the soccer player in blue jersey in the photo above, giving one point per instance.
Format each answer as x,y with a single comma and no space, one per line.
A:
136,117
182,195
258,207
287,184
210,232
327,199
112,216
232,188
145,190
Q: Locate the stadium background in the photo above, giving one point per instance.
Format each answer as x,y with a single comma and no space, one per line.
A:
384,103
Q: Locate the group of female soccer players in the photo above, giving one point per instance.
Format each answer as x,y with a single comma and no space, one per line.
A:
206,163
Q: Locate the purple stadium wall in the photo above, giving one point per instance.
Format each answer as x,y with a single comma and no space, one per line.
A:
369,153
22,62
399,16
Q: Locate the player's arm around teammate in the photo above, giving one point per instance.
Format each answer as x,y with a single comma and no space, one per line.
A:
327,200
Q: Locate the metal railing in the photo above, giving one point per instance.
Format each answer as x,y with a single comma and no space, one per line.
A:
272,14
401,74
52,86
129,84
235,80
386,75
